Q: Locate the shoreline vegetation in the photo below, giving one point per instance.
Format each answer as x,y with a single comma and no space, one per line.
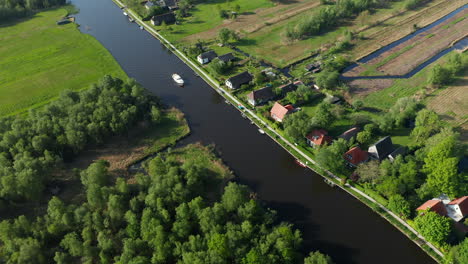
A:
377,203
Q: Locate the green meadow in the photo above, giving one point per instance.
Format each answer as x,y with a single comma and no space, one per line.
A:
39,59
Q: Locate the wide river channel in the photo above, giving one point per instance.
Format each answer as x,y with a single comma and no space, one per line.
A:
331,220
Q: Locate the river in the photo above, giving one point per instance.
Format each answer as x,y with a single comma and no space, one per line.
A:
331,220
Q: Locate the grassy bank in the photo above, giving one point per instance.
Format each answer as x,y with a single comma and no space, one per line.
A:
39,59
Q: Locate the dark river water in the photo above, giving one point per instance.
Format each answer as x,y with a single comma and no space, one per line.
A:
331,220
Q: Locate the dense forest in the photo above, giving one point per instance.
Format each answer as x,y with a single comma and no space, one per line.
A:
12,9
31,147
174,212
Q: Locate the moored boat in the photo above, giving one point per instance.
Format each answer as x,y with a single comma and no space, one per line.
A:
125,13
300,163
176,77
261,131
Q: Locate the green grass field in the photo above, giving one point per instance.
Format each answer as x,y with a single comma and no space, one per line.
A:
206,16
39,59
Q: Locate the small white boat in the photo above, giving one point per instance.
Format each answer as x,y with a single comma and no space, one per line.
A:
176,77
131,19
141,27
125,13
261,131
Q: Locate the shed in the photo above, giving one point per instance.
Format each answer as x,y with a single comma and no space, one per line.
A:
167,18
349,134
236,81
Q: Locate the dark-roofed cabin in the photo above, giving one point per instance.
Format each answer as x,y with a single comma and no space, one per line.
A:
355,156
349,134
260,96
381,149
170,4
236,81
399,151
167,18
288,88
226,57
206,57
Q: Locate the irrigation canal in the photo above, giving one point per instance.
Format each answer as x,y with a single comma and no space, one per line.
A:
331,220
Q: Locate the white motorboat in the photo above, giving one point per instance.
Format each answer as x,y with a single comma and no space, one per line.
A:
141,27
261,131
176,77
125,13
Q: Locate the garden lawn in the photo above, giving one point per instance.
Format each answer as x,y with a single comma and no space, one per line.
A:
39,59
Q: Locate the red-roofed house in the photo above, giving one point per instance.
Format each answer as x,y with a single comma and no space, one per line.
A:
458,208
318,137
355,156
279,112
435,206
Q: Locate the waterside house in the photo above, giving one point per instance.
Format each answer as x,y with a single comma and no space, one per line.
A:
456,209
381,149
170,4
236,81
226,57
260,96
355,156
279,112
167,18
318,137
206,57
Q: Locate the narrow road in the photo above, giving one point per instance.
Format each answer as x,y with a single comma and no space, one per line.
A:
254,116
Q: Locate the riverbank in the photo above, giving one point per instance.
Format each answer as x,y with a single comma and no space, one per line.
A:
285,144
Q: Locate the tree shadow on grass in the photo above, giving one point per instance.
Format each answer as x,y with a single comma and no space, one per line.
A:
246,42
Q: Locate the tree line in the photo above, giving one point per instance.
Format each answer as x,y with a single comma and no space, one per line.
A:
33,145
327,17
13,9
174,212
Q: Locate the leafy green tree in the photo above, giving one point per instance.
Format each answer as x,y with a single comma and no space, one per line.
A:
440,75
234,196
323,116
441,168
331,157
427,124
433,227
317,258
399,206
297,125
369,171
458,254
327,80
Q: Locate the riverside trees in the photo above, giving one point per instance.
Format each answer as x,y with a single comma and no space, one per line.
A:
173,213
12,9
32,146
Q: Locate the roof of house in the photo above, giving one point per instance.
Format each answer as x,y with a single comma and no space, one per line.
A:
312,66
433,205
167,18
240,78
356,155
462,202
288,88
279,111
149,4
264,94
398,151
349,134
226,57
170,3
289,107
208,55
319,137
384,147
